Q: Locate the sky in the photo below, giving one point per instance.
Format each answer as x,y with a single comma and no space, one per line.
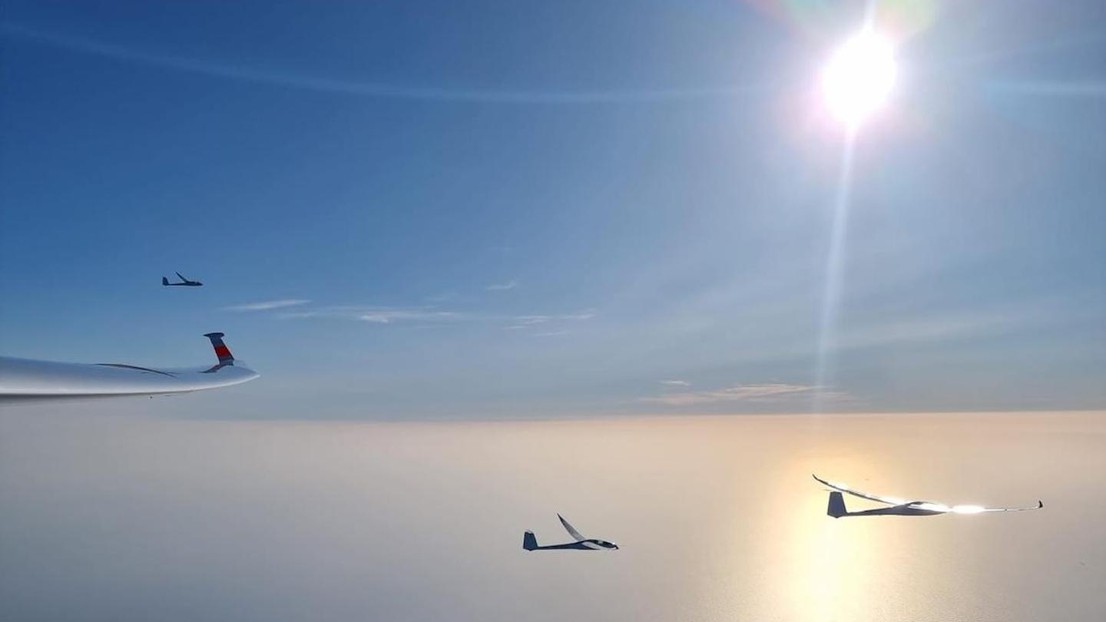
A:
406,210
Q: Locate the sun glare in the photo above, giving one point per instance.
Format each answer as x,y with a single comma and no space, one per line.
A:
858,78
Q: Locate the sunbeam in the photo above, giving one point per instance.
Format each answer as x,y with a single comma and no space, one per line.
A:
834,266
857,81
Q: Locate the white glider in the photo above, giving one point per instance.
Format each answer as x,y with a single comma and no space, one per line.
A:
530,542
901,507
23,379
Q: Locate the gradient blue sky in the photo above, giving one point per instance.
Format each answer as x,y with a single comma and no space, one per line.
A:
491,209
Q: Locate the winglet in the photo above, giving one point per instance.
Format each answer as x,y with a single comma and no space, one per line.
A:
221,349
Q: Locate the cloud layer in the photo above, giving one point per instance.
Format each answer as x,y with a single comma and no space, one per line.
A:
771,392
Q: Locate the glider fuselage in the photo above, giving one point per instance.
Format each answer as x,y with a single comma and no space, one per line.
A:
897,510
583,545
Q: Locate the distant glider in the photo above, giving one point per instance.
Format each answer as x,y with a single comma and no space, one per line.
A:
183,282
530,543
901,507
23,379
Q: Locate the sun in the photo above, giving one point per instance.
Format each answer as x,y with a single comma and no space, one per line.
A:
858,78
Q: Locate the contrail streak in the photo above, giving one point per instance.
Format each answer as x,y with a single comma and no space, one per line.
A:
373,89
1054,89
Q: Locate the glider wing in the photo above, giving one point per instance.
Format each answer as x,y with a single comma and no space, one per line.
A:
23,379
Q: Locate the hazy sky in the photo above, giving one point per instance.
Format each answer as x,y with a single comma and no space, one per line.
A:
141,518
532,209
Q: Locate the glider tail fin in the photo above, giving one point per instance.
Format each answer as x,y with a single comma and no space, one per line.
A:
529,542
836,506
164,281
221,349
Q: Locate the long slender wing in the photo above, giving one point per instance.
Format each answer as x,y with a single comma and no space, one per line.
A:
570,529
856,493
975,509
182,277
22,379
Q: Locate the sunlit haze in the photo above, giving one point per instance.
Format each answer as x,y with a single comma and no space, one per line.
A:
134,518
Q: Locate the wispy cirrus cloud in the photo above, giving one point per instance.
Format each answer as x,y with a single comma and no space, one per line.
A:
760,393
675,383
545,325
525,321
502,287
387,316
268,305
376,314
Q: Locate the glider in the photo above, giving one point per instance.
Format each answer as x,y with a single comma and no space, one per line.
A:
183,282
530,543
23,379
901,507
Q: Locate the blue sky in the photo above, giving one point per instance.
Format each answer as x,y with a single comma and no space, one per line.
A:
557,209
